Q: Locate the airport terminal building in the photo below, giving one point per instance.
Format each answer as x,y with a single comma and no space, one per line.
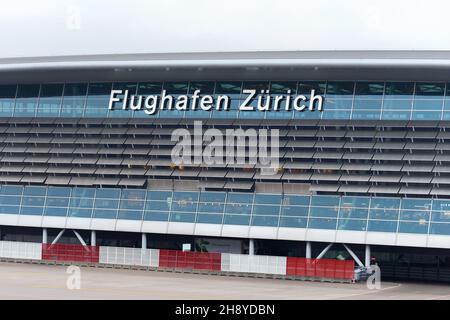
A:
367,176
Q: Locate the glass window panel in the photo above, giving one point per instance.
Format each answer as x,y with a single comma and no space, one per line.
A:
83,192
205,87
413,227
106,203
9,209
182,217
98,99
369,90
383,214
34,191
80,212
336,114
240,198
441,210
352,224
11,190
395,115
414,215
26,101
426,115
57,202
55,211
211,207
382,226
33,201
82,202
440,228
355,213
293,222
130,214
265,221
404,105
51,90
368,104
357,202
416,204
150,88
283,87
74,100
238,208
117,107
385,203
319,223
266,210
132,199
105,214
7,100
256,85
305,87
108,193
32,211
325,201
324,212
237,219
296,200
156,216
427,89
58,191
212,196
338,88
176,87
159,205
427,105
231,89
10,200
366,115
399,89
185,201
267,199
209,218
294,211
159,195
8,91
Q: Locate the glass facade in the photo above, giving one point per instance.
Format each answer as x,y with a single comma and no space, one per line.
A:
342,99
403,215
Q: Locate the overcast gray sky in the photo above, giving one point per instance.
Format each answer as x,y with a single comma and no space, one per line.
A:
63,27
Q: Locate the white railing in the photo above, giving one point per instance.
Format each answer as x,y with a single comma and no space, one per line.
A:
20,250
253,264
129,256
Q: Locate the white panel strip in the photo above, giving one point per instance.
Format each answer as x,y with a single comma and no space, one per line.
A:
253,264
20,250
129,256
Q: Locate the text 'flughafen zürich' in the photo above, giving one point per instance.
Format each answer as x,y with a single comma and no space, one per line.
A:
250,100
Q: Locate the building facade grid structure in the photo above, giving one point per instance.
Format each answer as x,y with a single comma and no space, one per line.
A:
378,214
347,100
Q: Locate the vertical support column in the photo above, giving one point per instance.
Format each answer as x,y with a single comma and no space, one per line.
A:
251,247
44,235
144,241
93,238
367,257
308,249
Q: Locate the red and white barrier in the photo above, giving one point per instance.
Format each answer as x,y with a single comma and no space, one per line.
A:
175,259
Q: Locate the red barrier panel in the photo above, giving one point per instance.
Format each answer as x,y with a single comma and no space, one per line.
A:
320,268
190,260
70,252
